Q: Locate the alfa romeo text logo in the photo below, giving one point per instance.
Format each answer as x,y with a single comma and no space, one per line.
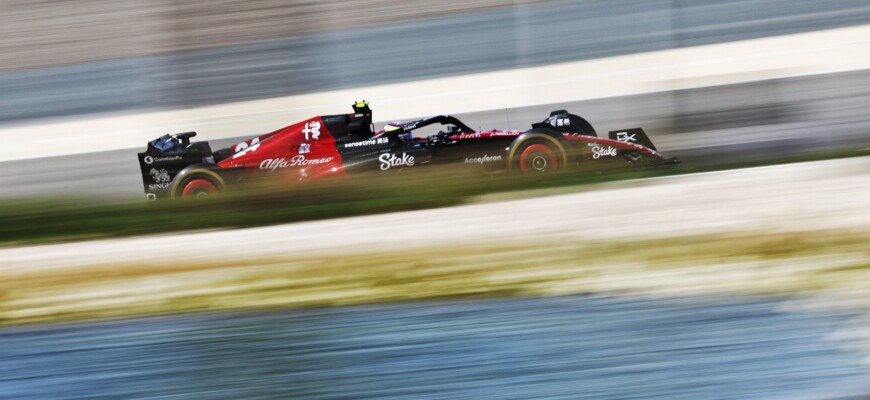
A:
271,164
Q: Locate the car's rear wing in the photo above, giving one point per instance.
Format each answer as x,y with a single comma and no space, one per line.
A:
633,135
165,157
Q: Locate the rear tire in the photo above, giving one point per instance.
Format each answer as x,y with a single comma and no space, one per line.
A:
199,188
538,158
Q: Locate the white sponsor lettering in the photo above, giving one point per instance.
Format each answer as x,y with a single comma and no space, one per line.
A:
369,142
159,175
312,130
301,161
273,164
150,160
625,137
270,164
598,152
158,187
508,133
483,159
559,121
391,160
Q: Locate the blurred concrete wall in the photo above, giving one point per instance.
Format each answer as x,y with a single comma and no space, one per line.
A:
55,32
97,56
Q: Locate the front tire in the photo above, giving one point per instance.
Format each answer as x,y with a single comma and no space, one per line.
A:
538,158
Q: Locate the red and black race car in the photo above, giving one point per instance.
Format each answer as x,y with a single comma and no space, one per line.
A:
332,145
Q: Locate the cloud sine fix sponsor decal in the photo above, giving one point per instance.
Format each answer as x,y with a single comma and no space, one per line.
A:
598,152
483,159
272,164
150,160
391,160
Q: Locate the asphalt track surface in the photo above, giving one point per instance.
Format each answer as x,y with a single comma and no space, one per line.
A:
731,123
396,51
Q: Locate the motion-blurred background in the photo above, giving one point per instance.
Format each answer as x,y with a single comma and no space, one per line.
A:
88,57
697,287
708,79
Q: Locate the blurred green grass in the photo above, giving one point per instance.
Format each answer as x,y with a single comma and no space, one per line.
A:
42,220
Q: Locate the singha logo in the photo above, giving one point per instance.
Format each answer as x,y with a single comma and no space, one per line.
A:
159,176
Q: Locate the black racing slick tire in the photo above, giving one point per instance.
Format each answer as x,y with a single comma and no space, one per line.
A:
197,184
535,153
538,158
199,188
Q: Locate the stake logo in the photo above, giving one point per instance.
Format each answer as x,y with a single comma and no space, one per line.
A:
391,160
598,152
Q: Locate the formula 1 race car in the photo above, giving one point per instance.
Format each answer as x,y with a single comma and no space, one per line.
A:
333,145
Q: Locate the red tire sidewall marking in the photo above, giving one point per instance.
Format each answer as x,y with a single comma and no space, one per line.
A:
553,160
197,184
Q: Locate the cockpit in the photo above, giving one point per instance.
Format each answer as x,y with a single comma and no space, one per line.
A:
442,125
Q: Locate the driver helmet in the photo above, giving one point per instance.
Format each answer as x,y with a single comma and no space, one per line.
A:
397,127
